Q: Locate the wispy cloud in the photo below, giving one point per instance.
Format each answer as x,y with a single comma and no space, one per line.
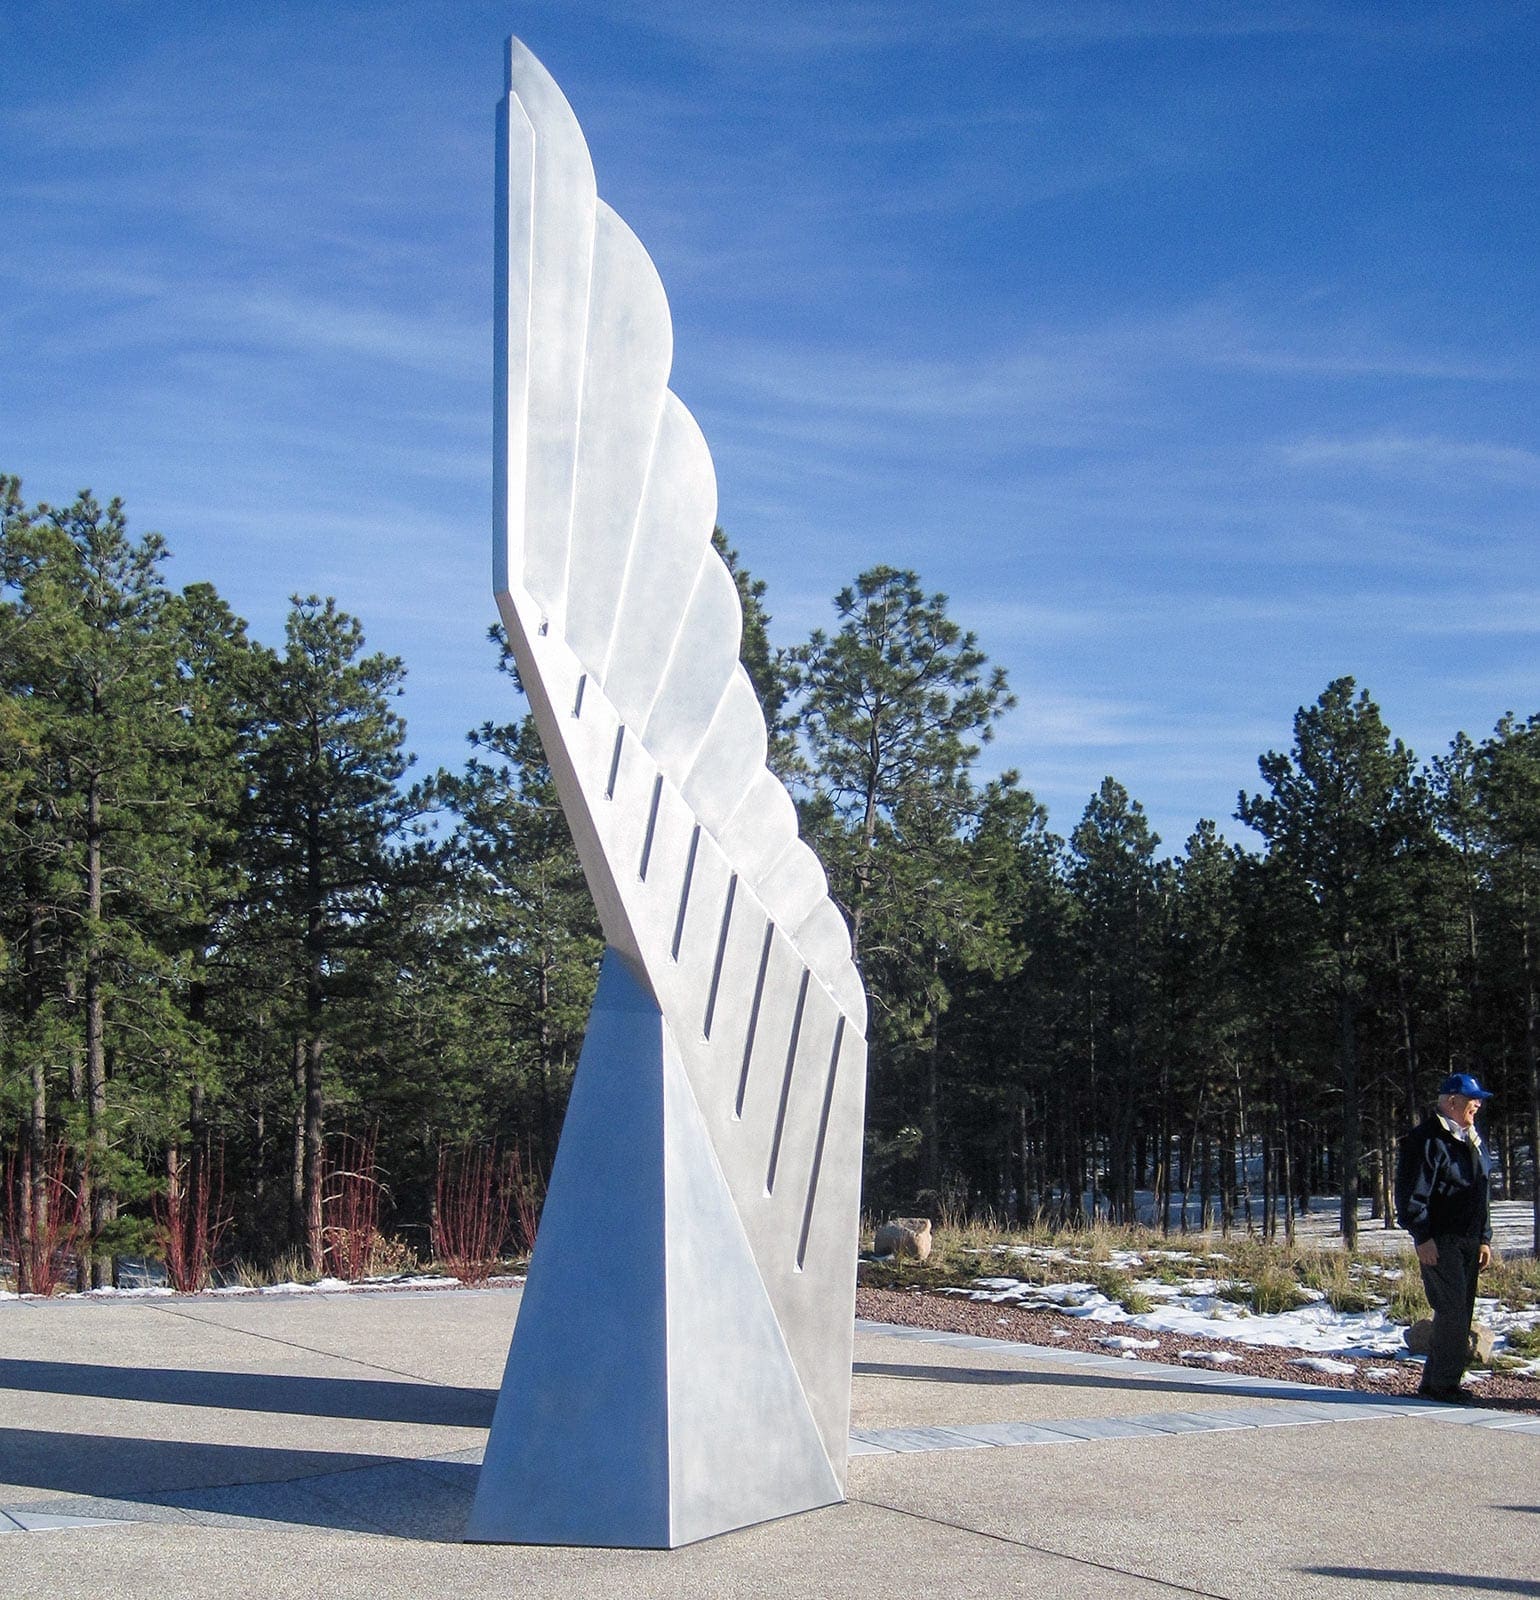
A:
1308,340
818,27
1100,395
1426,455
122,306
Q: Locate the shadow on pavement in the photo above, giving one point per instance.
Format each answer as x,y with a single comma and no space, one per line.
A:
1102,1379
130,1468
366,1399
1433,1580
158,1480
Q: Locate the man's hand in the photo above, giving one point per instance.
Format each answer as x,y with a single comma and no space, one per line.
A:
1427,1252
1484,1258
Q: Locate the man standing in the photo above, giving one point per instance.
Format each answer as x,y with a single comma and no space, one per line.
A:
1441,1200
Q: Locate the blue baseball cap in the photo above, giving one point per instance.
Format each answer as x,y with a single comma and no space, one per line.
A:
1463,1083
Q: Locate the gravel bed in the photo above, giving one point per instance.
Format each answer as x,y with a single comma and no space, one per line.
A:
947,1313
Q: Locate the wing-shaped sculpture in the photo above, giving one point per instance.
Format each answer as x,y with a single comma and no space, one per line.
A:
681,1363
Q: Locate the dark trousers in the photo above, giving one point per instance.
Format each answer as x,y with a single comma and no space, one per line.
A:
1451,1291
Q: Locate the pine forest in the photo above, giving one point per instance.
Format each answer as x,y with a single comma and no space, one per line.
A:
267,994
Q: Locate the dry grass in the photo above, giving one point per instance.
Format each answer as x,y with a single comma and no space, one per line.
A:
1266,1276
1524,1341
1516,1282
290,1267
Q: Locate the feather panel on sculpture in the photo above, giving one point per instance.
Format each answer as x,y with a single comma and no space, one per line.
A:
612,544
626,625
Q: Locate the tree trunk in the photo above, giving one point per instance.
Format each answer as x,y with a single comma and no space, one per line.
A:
1352,1112
1091,1049
1268,1215
197,1128
1532,1062
103,1209
259,1164
1285,1189
315,1162
197,1139
1408,1030
297,1161
1025,1180
315,1044
546,1052
1243,1136
27,1231
932,1130
1163,1167
79,1169
35,1185
1387,1143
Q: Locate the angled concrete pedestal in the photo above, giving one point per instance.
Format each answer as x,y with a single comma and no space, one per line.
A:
650,1399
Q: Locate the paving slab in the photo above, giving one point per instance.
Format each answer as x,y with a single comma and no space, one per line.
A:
850,1552
295,1446
943,1381
1253,1513
46,1521
455,1337
154,1391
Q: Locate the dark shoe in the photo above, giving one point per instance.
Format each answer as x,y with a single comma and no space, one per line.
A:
1448,1397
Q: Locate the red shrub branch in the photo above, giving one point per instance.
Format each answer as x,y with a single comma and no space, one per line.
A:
192,1219
43,1219
475,1192
350,1207
528,1197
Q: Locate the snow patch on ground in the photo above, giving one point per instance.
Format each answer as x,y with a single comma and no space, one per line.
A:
1342,1369
145,1291
1194,1310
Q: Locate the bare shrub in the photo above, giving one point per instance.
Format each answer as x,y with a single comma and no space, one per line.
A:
191,1218
394,1256
43,1219
528,1198
478,1194
350,1207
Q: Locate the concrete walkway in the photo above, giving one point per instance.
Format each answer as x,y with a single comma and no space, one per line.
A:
327,1445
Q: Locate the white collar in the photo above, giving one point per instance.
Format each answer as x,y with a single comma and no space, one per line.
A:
1464,1135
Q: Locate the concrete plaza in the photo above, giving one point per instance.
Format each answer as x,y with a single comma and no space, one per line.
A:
299,1445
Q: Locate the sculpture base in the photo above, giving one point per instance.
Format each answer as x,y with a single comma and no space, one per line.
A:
649,1398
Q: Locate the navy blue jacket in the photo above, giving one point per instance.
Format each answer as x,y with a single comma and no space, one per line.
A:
1441,1185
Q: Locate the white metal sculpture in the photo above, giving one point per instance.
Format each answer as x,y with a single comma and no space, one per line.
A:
681,1361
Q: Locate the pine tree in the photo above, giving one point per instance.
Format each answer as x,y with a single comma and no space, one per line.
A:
1508,782
1340,815
524,929
770,670
892,710
323,824
1113,879
1203,1006
117,794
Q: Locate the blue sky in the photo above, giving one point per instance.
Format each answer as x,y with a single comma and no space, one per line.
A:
1190,348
